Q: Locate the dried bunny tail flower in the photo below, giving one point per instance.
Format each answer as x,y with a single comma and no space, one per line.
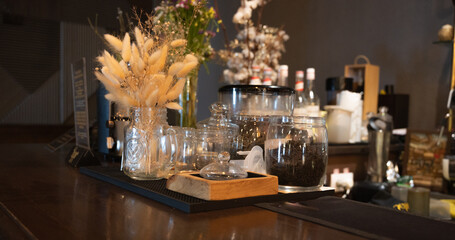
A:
110,86
178,43
154,57
148,44
173,105
126,48
135,52
175,68
148,86
127,101
190,58
117,94
175,91
137,65
141,66
114,42
124,67
145,57
113,65
100,59
114,80
186,69
164,88
162,60
158,78
147,89
139,37
152,98
110,97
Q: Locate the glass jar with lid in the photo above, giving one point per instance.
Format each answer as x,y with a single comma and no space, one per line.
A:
296,151
251,108
214,135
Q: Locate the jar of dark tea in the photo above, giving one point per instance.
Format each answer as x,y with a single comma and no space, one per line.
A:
296,151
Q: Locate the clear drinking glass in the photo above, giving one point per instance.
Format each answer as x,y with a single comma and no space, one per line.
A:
187,159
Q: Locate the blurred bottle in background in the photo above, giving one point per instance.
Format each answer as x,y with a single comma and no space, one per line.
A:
267,77
311,99
299,105
256,79
283,76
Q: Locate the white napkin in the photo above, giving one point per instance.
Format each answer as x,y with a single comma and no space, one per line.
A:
352,101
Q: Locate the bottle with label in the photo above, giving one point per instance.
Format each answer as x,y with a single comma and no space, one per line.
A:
267,77
299,106
283,76
311,99
255,79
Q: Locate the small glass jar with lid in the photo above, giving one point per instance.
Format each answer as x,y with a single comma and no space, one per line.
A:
214,135
296,151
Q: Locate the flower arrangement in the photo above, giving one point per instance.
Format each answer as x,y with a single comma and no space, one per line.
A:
151,70
255,45
198,21
199,24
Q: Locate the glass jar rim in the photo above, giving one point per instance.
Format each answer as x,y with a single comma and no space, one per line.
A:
298,120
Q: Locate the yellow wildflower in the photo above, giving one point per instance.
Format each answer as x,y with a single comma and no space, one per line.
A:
211,12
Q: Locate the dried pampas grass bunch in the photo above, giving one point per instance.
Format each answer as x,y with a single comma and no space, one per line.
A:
147,72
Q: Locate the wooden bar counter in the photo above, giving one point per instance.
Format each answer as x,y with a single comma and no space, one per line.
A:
41,197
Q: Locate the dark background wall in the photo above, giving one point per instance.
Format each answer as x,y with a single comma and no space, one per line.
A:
397,35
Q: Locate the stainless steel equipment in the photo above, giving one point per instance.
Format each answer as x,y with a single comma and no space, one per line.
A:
119,118
380,129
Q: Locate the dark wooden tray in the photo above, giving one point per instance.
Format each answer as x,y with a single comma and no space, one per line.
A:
157,191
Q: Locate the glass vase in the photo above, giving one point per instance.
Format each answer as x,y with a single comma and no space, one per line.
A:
188,101
150,144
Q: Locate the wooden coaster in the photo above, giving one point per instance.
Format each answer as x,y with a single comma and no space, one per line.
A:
194,185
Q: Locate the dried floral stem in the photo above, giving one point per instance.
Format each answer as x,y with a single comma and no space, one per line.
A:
259,16
223,27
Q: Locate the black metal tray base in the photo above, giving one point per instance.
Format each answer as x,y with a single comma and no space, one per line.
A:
157,191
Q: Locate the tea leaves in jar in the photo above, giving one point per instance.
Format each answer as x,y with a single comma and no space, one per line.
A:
299,165
252,132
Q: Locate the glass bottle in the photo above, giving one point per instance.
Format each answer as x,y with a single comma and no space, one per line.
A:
311,99
267,77
256,79
296,150
299,105
283,75
150,144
